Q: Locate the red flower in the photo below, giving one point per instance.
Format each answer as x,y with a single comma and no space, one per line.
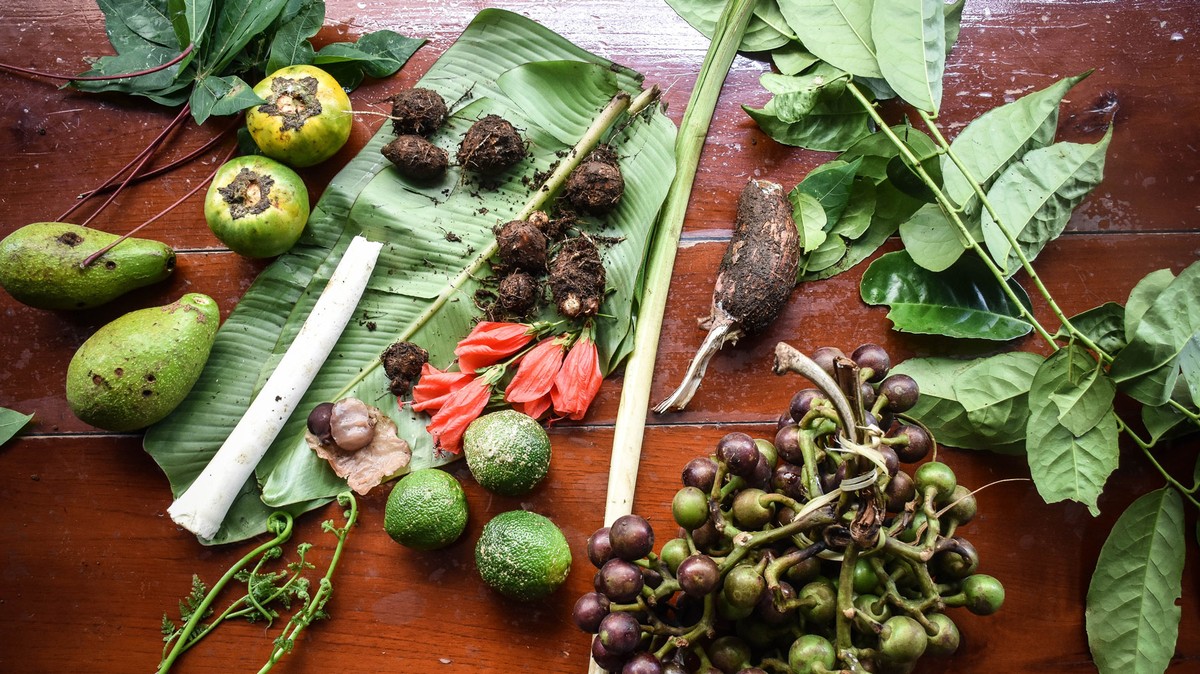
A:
577,383
491,342
459,410
435,386
535,374
535,408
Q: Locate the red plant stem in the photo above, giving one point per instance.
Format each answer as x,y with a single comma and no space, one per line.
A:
170,166
94,256
97,78
145,156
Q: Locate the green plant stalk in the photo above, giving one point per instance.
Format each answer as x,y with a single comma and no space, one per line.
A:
298,622
630,423
198,615
845,598
620,104
950,209
1012,240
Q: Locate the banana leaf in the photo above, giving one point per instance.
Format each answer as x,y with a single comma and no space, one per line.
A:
437,236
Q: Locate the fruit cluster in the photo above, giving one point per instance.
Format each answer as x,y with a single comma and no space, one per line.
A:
815,553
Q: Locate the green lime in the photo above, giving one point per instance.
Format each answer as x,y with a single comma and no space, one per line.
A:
507,452
426,510
522,555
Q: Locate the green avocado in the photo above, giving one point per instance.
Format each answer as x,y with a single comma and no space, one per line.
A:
138,368
39,265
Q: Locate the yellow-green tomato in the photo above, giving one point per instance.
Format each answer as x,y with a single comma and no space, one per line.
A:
306,118
256,206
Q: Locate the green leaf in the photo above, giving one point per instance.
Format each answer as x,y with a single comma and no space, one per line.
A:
831,126
1104,325
238,21
11,422
1084,404
994,392
214,95
423,262
933,242
147,20
1132,611
379,54
793,58
825,256
988,426
562,97
810,220
1065,464
702,15
1163,421
905,179
195,15
856,218
953,11
830,185
1189,368
912,57
1002,136
796,96
290,46
1034,198
769,13
837,31
1148,368
1143,295
963,301
133,59
877,151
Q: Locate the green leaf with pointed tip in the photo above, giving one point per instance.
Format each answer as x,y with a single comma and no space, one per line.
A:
769,13
837,31
1163,421
832,125
1104,325
760,36
436,236
1142,296
963,301
912,57
379,54
290,46
583,91
1001,136
237,22
830,184
931,239
793,58
214,95
1034,198
1064,464
1082,405
953,11
11,423
1148,368
995,394
825,256
987,426
810,220
1132,612
796,96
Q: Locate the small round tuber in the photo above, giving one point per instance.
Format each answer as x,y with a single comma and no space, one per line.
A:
416,158
596,185
491,146
418,111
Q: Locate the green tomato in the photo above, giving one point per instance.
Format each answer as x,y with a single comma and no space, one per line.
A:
256,206
306,118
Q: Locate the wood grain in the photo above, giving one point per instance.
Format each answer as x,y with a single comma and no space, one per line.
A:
92,562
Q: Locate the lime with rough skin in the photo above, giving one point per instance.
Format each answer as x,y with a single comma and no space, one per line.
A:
256,206
507,452
306,118
522,555
426,510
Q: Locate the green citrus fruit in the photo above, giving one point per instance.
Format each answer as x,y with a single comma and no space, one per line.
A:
522,555
507,452
426,510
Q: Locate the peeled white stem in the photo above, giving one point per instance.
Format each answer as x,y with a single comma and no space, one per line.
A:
721,332
202,508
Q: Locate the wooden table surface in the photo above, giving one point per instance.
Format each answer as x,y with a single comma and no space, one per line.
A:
91,562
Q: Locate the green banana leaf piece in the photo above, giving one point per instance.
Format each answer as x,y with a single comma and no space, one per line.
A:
434,234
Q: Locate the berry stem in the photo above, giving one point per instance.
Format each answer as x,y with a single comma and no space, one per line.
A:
98,78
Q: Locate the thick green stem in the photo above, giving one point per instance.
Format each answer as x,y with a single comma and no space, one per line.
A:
845,597
639,371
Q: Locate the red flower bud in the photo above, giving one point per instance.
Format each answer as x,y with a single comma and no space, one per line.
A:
577,383
435,387
491,342
460,409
